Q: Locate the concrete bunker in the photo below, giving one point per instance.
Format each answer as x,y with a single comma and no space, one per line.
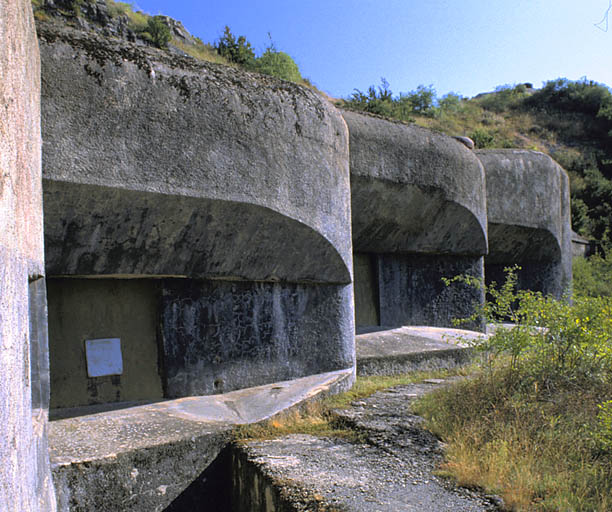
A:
528,219
197,213
418,215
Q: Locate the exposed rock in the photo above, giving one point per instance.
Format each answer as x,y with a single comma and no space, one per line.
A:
466,141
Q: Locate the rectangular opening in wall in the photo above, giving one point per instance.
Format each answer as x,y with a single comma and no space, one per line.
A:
365,282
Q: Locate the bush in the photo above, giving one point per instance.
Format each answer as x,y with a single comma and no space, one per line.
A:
504,98
159,31
482,138
534,423
278,64
593,276
552,342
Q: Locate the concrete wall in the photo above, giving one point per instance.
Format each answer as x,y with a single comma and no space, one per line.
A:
231,187
419,212
25,480
86,309
529,219
220,336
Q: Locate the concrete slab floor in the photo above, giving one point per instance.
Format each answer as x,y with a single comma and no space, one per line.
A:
393,470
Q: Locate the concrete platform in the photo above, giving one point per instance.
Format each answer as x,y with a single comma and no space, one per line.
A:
387,351
142,458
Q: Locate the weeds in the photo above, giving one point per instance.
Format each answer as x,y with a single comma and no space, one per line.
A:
315,418
534,423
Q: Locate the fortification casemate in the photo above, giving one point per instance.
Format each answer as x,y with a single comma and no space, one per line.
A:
197,225
418,215
528,219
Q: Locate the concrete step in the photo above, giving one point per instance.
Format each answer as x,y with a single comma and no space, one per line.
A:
389,351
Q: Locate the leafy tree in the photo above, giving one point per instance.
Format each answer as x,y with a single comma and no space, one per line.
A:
159,31
236,50
421,101
450,102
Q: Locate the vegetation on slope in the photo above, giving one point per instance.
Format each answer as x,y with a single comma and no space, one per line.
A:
534,424
158,31
570,121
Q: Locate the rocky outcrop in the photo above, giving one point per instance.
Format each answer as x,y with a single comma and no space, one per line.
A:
25,479
529,220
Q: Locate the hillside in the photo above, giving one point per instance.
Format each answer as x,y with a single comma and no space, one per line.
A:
122,20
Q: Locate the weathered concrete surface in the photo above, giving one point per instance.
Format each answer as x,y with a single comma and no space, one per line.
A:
25,482
158,166
142,458
529,219
83,309
391,471
169,157
414,190
418,214
408,349
218,336
412,291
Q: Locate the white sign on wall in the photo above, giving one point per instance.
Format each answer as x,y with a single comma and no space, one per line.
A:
103,357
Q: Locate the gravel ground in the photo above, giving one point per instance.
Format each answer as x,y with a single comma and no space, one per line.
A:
392,471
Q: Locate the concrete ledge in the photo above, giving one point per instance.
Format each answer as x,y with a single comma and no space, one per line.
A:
142,458
405,349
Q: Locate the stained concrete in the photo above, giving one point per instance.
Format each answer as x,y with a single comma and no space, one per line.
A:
25,479
143,458
529,219
172,155
219,336
414,190
383,351
231,187
418,215
412,290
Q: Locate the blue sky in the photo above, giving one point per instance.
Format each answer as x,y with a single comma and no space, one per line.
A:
467,46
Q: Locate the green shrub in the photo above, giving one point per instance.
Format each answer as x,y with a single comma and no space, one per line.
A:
278,64
504,98
592,276
534,423
482,138
552,342
159,31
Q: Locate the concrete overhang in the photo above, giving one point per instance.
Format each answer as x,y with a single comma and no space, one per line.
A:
148,156
527,205
414,190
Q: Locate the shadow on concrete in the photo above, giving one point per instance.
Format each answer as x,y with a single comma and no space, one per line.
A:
211,490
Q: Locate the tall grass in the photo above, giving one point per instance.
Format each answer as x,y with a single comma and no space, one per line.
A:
534,424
